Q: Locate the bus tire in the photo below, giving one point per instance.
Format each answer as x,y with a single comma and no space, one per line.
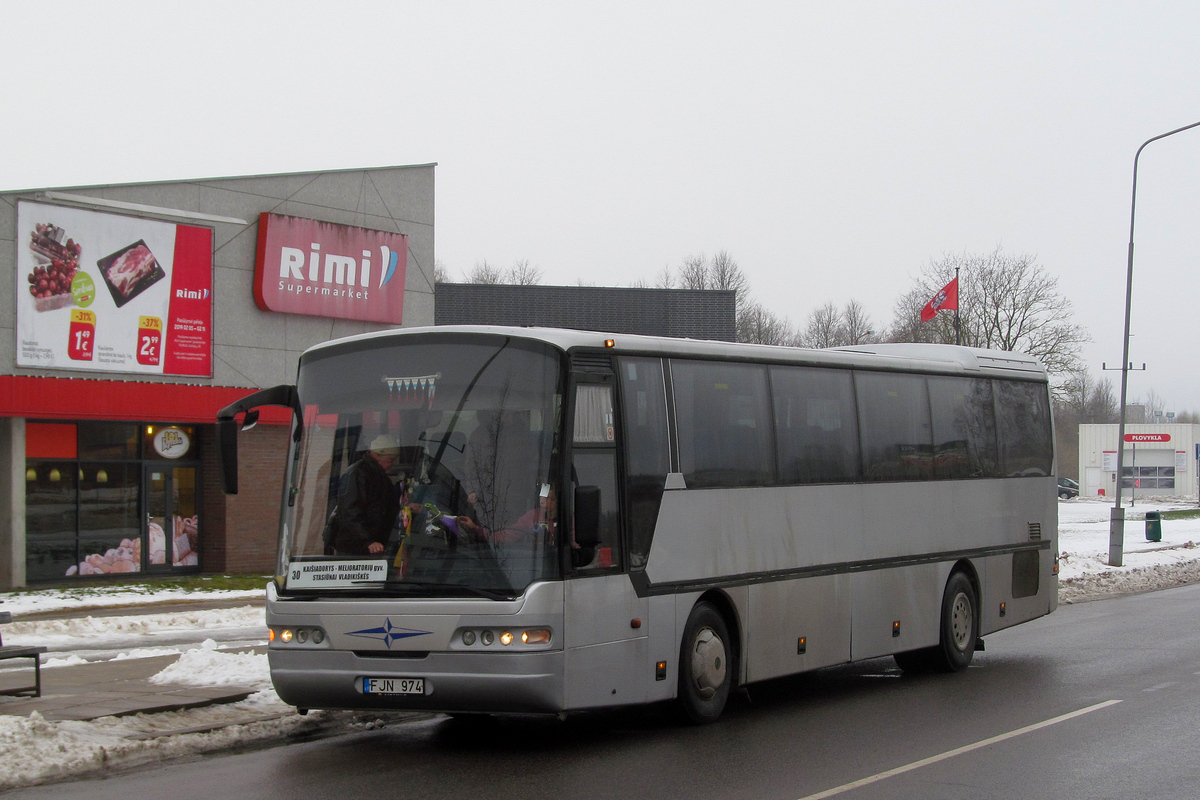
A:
960,623
706,671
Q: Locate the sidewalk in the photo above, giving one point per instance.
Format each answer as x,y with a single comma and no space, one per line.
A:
110,688
113,688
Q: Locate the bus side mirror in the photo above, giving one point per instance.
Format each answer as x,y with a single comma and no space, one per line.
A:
227,454
587,516
227,427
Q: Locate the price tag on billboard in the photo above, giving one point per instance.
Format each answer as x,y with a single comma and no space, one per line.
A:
149,341
81,335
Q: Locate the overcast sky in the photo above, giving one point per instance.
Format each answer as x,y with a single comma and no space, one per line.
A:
832,148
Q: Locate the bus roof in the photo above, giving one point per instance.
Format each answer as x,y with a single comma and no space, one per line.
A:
946,358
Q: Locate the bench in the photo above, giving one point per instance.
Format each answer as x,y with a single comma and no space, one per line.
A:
21,651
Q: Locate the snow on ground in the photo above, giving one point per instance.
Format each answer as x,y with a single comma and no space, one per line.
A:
1083,533
38,751
86,598
141,630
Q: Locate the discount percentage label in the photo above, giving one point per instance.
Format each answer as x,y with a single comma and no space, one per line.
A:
81,336
149,341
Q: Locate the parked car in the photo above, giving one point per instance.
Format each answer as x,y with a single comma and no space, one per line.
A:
1067,488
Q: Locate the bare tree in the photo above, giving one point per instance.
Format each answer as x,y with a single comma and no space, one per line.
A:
524,274
1005,303
693,273
440,273
856,325
725,273
823,328
1155,405
664,279
757,325
483,272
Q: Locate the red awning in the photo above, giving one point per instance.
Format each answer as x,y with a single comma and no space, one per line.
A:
86,398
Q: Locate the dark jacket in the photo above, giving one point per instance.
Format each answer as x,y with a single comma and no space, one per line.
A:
367,508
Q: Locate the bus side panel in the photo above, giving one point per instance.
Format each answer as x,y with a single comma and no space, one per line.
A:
816,610
607,659
909,595
664,646
998,588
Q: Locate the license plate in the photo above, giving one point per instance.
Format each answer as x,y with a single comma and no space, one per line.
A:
393,685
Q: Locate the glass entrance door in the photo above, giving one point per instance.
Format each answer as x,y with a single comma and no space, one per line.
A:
172,525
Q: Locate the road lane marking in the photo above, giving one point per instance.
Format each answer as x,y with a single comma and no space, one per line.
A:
1166,685
958,751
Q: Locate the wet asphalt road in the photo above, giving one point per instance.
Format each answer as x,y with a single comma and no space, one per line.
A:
1127,669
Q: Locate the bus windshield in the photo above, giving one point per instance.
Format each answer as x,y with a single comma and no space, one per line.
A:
424,468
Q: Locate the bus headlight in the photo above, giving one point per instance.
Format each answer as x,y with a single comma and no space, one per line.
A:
506,638
286,636
487,637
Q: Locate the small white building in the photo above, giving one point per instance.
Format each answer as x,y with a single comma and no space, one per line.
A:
1160,460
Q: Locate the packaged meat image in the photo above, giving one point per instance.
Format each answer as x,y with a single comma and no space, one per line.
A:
130,271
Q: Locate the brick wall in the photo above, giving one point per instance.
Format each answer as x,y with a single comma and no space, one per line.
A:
242,531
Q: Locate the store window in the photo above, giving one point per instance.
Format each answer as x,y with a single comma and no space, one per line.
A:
106,498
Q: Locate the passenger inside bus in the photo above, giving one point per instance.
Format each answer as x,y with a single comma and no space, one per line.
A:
368,503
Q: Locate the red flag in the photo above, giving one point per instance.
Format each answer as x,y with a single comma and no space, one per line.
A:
946,298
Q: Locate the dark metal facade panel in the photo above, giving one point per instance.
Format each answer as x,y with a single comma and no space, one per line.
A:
680,313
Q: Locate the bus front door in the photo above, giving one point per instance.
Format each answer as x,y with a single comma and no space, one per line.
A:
607,628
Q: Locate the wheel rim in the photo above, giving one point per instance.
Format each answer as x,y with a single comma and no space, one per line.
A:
962,621
708,663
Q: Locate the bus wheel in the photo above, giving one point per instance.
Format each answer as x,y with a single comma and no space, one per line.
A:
959,606
705,668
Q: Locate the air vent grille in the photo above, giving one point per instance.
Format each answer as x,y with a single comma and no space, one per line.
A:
1035,531
591,362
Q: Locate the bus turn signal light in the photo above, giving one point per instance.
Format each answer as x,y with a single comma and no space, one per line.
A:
536,636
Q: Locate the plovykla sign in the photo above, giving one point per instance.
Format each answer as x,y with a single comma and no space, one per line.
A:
306,266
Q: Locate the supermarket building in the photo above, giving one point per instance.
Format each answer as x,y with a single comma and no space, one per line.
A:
135,312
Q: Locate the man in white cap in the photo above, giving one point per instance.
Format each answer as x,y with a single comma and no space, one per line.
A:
368,503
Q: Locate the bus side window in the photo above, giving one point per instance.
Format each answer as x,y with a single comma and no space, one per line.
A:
1023,428
594,463
897,439
725,430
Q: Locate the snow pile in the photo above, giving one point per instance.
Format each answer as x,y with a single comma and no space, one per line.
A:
39,751
88,597
207,666
75,632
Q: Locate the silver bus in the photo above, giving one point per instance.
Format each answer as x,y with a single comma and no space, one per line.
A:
580,520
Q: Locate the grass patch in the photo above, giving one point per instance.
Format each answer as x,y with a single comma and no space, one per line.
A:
1182,513
196,584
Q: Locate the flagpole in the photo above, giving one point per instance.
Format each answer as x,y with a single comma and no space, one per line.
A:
957,339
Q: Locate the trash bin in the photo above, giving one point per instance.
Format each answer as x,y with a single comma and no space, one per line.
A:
1153,526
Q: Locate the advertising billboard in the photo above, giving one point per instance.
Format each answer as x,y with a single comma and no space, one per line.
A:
305,266
112,293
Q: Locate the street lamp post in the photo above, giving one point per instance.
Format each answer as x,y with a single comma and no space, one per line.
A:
1116,528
